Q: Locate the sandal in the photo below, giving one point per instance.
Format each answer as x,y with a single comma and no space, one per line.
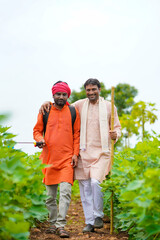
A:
62,232
51,229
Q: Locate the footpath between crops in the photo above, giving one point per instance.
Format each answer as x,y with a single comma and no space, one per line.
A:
75,224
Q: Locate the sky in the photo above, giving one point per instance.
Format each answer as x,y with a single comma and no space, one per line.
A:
41,42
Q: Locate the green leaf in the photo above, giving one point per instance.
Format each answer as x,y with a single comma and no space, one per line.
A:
153,229
21,236
134,185
107,195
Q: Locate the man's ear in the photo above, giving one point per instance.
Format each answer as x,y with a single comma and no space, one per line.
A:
53,97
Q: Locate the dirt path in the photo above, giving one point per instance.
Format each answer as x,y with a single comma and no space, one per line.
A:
75,224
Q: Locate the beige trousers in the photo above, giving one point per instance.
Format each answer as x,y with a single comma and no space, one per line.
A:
58,218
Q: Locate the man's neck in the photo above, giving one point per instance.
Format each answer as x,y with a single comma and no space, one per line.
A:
58,107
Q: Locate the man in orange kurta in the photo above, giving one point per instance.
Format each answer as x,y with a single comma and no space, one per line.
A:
60,150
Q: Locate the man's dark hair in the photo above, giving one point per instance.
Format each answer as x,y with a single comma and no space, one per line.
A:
59,82
92,81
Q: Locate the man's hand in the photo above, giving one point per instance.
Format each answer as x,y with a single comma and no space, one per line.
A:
74,161
41,143
44,106
113,134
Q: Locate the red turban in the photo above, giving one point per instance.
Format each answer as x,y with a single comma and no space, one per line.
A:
61,87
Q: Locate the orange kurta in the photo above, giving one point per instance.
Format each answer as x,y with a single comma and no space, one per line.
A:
61,144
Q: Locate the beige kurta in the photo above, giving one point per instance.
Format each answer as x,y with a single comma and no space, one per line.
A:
93,163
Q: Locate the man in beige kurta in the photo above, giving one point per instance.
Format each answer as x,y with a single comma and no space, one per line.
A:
92,162
95,144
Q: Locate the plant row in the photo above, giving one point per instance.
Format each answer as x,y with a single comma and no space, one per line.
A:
22,194
135,182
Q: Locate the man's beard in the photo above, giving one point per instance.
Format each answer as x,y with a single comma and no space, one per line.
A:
59,102
93,97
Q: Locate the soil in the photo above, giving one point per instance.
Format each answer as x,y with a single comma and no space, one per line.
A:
75,224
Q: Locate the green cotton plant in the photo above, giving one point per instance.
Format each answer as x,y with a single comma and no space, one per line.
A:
22,194
135,182
75,190
142,200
